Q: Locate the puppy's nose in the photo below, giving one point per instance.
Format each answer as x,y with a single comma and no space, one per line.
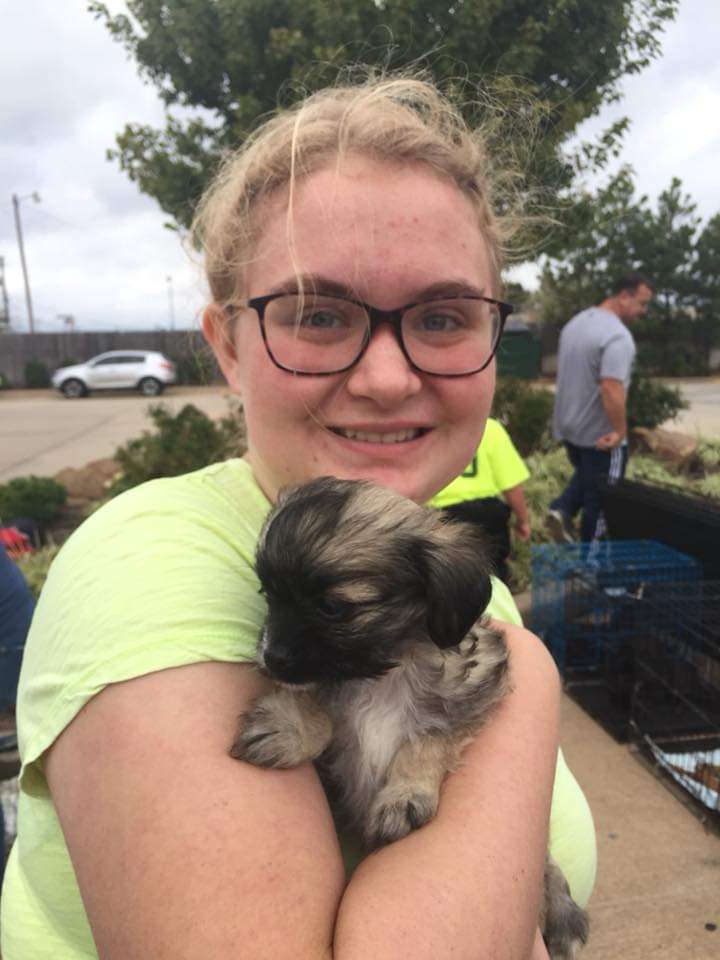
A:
278,661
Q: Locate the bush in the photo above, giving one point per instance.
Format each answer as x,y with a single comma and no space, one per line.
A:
650,403
39,498
35,567
179,444
196,368
37,376
526,414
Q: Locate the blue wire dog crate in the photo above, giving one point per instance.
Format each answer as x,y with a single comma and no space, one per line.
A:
590,606
585,595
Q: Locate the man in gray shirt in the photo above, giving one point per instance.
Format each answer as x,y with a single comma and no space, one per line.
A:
595,361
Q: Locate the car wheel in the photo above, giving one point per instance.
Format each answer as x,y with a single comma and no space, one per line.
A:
74,388
150,387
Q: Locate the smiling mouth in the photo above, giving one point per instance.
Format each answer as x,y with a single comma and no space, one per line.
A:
369,436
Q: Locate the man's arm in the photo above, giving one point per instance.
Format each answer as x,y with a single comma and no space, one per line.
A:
612,394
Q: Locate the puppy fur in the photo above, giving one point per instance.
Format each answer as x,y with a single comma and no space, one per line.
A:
384,667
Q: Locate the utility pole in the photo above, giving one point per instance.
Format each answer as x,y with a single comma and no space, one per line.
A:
171,302
4,305
18,228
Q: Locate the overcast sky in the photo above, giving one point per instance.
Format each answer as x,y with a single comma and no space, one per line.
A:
96,247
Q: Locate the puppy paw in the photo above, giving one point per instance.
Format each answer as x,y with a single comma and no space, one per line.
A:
266,742
396,814
565,927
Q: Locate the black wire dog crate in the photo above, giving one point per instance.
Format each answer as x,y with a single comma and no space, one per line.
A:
675,703
589,603
687,522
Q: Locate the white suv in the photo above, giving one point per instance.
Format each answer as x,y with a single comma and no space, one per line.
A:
143,370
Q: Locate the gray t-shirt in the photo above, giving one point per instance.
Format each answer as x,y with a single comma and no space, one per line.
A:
595,344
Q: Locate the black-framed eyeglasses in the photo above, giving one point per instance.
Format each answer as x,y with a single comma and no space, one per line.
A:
315,334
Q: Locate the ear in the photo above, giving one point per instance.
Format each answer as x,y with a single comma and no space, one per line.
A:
218,330
458,582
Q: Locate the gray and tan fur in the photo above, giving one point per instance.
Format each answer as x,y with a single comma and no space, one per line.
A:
384,668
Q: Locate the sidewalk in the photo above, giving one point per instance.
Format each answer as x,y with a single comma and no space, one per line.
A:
658,879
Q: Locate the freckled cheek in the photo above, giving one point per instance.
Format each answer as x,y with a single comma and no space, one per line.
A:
468,400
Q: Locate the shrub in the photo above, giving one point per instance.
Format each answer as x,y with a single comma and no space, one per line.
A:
651,403
709,455
179,444
196,368
37,375
526,414
35,567
39,498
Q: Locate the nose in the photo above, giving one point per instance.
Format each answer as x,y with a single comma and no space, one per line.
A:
278,661
383,373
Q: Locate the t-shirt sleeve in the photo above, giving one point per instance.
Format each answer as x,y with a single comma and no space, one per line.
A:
160,577
617,358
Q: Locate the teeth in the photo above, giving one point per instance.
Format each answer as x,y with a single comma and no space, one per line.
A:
399,436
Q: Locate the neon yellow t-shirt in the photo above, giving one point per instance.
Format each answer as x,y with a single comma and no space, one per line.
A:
160,577
496,467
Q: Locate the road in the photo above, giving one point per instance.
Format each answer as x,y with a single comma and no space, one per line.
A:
703,417
41,432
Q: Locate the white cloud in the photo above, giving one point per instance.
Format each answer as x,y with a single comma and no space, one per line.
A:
97,248
674,109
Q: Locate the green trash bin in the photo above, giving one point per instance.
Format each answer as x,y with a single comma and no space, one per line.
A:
519,355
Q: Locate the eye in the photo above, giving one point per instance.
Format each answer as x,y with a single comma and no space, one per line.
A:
438,322
322,319
329,606
441,318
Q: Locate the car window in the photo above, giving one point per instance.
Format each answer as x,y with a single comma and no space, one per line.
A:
129,358
104,362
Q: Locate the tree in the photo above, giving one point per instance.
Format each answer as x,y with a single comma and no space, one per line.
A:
612,232
705,296
227,63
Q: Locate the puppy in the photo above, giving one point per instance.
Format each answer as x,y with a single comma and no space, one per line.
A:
383,667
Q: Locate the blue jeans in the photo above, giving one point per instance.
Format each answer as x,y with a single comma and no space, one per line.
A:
582,492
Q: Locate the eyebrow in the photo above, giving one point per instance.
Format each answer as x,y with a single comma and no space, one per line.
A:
321,284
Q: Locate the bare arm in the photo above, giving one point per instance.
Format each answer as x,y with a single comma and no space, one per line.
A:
467,885
181,851
515,499
612,393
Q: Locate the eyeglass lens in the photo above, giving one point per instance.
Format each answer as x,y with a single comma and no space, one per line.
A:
312,333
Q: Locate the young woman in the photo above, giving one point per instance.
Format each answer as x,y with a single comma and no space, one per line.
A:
353,260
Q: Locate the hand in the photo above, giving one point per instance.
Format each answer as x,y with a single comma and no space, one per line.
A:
609,441
522,529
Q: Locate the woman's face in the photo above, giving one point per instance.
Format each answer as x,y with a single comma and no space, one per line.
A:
390,236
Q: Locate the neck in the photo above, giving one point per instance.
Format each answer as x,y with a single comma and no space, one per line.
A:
610,303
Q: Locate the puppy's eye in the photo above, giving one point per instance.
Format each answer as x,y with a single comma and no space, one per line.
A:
329,606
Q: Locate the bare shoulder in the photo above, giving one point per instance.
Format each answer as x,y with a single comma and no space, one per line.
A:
529,656
178,848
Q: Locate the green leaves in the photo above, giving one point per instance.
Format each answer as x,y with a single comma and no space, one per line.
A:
179,443
39,498
613,231
228,63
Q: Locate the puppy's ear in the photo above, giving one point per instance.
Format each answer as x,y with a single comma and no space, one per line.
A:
458,584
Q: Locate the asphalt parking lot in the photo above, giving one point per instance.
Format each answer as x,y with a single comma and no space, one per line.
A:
41,432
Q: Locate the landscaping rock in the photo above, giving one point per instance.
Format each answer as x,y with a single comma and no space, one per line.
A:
89,482
678,449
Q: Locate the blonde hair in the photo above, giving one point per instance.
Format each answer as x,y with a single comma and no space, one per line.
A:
397,119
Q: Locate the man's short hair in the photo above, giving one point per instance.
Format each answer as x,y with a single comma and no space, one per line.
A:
629,282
